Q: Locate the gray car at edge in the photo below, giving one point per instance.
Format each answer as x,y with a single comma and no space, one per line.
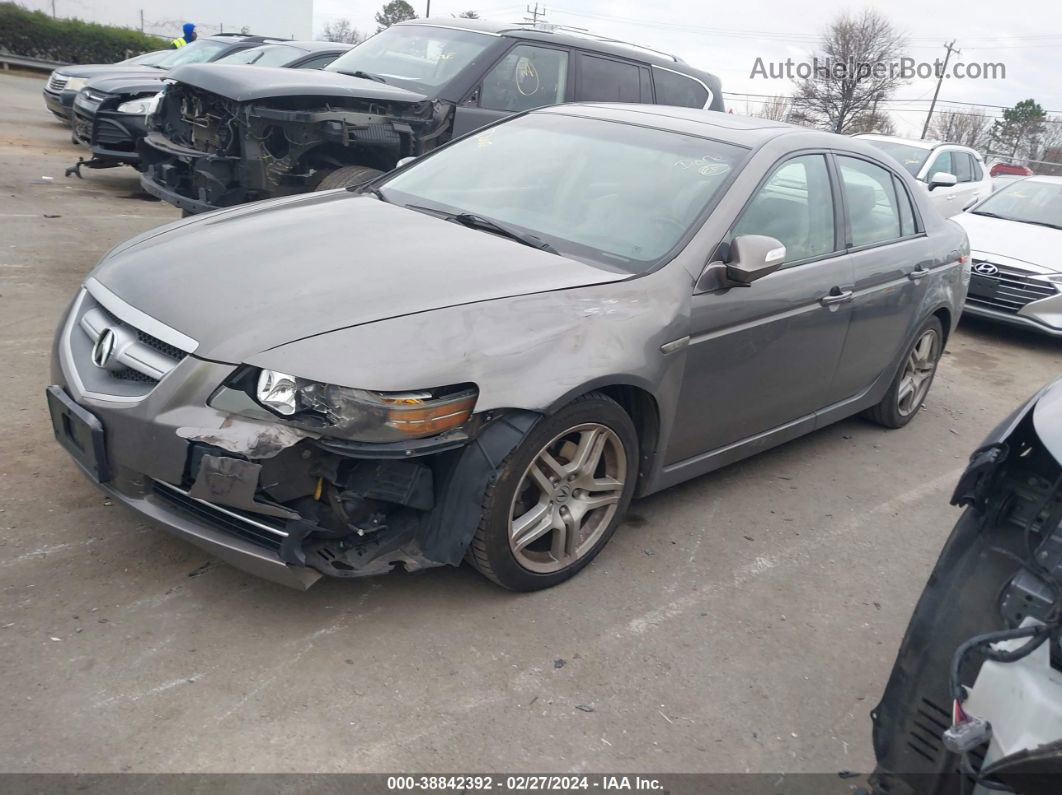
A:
485,354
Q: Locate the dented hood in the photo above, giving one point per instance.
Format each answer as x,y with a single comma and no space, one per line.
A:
246,280
244,83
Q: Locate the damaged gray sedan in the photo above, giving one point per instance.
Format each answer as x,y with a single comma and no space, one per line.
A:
487,353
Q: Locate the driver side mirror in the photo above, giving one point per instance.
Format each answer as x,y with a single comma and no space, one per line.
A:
751,257
943,179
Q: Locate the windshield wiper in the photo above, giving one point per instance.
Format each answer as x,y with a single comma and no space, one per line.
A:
366,75
1040,223
473,221
987,214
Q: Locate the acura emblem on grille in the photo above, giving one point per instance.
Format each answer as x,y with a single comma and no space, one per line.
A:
985,269
103,349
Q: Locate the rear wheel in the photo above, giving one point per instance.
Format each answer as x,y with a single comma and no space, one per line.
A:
911,385
348,177
558,497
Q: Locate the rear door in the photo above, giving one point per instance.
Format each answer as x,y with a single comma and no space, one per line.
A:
764,356
891,266
528,76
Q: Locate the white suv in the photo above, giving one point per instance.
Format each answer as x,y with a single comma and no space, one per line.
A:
954,175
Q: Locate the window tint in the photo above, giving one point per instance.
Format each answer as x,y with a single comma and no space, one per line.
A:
604,80
907,224
527,77
873,216
675,89
942,162
960,161
795,206
647,84
265,55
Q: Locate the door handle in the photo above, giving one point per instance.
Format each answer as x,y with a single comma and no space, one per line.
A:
837,296
918,273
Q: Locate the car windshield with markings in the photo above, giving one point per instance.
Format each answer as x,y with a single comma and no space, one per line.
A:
221,137
542,320
1015,239
110,113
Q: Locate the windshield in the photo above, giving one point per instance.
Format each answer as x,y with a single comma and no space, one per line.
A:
266,55
199,51
1027,201
594,190
148,58
417,57
911,158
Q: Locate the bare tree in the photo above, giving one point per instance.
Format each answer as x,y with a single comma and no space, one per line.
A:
854,70
872,122
468,15
775,109
341,30
969,128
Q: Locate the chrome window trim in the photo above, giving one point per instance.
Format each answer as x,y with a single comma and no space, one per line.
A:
137,319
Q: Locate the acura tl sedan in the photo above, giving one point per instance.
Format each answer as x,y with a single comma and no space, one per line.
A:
488,352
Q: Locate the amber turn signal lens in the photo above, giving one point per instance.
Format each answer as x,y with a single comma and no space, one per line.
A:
433,416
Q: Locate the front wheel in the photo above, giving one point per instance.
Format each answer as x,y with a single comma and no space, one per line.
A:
558,497
908,390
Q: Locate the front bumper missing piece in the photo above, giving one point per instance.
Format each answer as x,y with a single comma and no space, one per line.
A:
222,511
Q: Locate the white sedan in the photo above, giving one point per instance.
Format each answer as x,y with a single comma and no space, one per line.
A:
1015,239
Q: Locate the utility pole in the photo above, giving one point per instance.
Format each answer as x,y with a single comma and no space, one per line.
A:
53,9
940,79
141,20
427,11
535,14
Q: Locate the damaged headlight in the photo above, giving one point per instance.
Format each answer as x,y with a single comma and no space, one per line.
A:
144,106
357,414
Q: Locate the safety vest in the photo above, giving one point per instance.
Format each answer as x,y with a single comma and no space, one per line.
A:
178,43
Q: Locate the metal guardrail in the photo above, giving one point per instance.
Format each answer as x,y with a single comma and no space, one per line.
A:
7,61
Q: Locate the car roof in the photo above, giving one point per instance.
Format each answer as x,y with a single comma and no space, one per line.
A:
917,142
569,37
314,46
748,131
1043,178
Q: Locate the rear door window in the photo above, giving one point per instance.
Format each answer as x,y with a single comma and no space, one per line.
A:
873,208
527,77
676,89
605,80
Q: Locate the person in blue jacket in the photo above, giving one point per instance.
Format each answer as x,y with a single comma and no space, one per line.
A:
186,37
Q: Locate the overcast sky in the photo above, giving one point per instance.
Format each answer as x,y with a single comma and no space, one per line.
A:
726,39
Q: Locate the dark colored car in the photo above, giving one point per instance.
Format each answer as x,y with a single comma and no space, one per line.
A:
489,351
224,137
65,82
110,112
974,702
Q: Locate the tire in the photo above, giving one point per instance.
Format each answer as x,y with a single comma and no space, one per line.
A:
347,177
901,404
584,518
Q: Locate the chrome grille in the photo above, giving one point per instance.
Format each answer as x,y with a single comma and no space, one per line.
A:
56,83
1007,290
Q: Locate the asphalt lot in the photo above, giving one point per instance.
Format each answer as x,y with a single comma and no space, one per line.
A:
745,621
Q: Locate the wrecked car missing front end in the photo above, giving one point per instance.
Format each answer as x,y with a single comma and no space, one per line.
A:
211,150
346,509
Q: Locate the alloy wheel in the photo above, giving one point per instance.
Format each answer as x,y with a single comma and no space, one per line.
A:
918,373
567,497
